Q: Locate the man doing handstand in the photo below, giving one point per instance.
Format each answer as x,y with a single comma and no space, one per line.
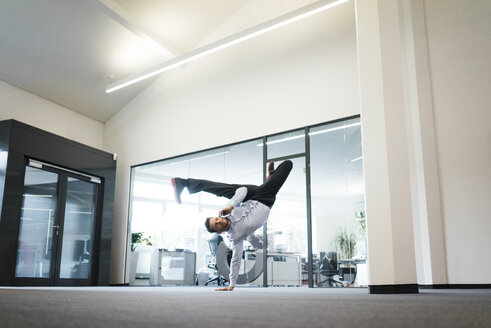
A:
247,210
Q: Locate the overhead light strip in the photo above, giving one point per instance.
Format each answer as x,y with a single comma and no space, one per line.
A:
310,134
334,129
273,24
191,159
281,140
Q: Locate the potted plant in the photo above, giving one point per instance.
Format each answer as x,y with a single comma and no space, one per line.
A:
137,239
362,220
345,244
362,232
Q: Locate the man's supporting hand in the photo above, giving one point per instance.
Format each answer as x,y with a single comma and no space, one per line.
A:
225,211
226,289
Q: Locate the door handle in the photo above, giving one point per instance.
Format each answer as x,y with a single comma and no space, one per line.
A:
57,227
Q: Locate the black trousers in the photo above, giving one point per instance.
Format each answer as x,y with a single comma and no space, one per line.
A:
265,193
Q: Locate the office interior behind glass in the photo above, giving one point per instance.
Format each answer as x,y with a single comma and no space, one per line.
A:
315,235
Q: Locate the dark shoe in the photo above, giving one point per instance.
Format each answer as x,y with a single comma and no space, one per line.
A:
270,169
178,188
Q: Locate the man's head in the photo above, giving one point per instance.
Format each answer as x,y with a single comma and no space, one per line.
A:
217,224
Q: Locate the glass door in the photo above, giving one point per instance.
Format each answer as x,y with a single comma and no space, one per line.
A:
287,227
78,229
57,228
39,225
287,231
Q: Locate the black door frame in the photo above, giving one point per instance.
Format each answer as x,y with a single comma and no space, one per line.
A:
57,241
308,196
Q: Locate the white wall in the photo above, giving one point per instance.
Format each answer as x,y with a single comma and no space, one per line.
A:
458,35
302,74
28,108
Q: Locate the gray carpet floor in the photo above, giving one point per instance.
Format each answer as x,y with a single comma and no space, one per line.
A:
245,307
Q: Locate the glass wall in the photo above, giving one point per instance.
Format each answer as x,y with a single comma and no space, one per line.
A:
330,170
168,225
338,226
286,144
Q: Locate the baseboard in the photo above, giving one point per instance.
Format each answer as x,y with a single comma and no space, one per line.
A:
456,286
393,289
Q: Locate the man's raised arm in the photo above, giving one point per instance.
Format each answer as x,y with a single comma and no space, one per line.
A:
239,196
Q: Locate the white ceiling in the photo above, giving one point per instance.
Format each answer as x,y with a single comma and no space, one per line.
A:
68,51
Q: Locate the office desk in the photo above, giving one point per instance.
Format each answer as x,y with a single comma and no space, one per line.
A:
173,268
349,270
284,269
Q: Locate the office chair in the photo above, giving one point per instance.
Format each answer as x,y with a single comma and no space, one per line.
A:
213,243
329,268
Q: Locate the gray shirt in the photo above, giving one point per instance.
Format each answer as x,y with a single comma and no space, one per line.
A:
246,218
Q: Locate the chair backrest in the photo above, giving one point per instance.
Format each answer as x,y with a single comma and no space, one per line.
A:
330,262
333,256
214,242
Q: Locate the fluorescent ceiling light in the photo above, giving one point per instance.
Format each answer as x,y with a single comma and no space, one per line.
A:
37,209
32,195
158,165
205,156
273,24
310,134
281,140
334,129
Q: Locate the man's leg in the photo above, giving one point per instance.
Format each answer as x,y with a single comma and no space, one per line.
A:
216,188
266,193
219,189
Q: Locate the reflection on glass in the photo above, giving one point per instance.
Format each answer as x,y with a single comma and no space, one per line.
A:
286,144
338,222
37,224
78,229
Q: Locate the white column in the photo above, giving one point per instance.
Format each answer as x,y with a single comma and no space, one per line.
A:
391,254
428,227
